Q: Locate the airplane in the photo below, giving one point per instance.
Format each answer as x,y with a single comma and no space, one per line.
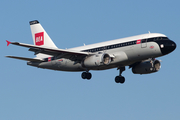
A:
138,52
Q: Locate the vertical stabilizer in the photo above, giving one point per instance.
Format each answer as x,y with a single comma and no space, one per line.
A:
40,37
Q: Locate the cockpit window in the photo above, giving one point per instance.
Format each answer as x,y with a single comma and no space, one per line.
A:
165,38
160,38
157,38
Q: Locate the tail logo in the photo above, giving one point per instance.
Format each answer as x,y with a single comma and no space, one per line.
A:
39,39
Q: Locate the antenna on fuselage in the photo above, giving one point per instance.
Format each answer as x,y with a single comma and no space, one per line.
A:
149,32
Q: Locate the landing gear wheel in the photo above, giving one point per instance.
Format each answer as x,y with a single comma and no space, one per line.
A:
122,79
86,75
119,79
83,75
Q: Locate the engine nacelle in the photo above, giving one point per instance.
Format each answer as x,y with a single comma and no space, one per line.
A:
146,67
96,60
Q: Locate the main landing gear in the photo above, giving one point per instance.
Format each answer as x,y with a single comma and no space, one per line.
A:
86,75
120,78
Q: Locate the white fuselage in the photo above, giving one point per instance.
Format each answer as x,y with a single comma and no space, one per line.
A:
123,52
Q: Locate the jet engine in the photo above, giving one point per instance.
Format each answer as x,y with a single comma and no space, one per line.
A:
96,60
146,67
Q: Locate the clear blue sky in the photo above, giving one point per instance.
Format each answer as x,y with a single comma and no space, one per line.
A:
29,93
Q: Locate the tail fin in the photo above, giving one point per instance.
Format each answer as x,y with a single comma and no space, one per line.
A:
40,37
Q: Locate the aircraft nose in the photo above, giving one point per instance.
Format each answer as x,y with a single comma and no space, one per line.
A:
167,46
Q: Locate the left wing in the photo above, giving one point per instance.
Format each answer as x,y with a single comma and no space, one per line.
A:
50,51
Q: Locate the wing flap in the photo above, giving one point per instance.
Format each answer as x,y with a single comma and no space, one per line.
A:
26,59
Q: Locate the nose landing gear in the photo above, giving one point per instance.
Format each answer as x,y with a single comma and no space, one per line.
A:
120,78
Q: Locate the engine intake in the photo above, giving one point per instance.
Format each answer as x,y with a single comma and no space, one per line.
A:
146,67
96,60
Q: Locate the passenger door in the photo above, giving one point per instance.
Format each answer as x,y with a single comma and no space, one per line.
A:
143,43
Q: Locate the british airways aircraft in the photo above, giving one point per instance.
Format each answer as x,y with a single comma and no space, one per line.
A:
137,52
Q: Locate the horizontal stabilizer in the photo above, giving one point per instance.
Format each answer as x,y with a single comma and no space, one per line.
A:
26,59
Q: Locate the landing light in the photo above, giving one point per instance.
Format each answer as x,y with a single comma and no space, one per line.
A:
162,46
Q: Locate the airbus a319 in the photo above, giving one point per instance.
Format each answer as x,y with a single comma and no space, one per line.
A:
138,52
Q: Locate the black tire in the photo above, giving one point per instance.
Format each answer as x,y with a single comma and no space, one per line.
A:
88,76
122,79
84,75
117,79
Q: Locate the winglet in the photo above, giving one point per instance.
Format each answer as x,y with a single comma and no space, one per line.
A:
8,42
